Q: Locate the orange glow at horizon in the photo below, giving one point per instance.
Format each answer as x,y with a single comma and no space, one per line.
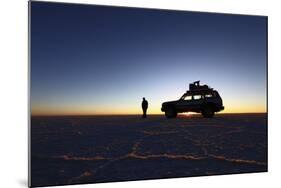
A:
131,110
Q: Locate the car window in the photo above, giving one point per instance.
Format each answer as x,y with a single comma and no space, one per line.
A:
197,97
208,95
188,98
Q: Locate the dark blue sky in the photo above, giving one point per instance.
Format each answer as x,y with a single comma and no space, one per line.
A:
103,60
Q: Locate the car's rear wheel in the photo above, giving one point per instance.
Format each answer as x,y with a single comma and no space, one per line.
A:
208,112
170,113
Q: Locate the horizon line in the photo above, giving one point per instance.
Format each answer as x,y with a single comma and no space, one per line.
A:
48,115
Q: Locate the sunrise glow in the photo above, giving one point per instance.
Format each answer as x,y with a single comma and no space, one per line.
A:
86,66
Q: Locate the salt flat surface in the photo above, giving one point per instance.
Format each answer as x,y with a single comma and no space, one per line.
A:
92,149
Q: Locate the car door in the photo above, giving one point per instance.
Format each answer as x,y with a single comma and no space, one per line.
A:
196,102
184,103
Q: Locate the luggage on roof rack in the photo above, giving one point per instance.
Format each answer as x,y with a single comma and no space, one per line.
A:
195,86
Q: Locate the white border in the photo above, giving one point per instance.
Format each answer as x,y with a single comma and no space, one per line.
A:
14,91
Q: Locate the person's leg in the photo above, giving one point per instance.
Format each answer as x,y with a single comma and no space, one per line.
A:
143,116
145,112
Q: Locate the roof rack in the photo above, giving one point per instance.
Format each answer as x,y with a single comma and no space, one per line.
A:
196,87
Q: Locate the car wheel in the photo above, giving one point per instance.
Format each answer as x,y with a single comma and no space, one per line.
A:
208,112
170,113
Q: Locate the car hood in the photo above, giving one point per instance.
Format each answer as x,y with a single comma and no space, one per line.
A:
169,102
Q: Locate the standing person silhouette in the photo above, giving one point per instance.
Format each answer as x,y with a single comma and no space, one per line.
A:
144,106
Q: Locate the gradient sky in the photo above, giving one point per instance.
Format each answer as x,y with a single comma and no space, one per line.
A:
103,60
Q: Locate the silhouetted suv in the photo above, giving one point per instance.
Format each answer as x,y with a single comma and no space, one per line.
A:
199,98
